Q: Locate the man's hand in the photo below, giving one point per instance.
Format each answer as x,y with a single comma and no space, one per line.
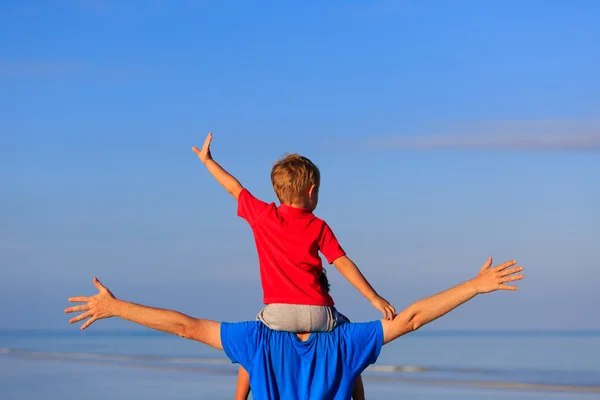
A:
389,312
97,307
496,278
204,153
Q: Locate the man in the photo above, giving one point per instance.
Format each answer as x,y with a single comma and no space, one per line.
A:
298,366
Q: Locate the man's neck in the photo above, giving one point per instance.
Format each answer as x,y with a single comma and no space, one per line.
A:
303,336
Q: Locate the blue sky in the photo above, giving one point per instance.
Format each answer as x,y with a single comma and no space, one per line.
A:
446,131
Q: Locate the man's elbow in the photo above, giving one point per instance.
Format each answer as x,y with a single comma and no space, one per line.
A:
183,330
406,322
415,321
192,330
187,329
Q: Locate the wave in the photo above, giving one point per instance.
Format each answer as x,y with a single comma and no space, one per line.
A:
538,380
110,357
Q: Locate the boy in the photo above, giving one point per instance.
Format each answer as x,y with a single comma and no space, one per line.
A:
288,239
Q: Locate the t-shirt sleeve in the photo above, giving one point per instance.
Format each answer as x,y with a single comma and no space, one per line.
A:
240,341
329,245
362,344
249,207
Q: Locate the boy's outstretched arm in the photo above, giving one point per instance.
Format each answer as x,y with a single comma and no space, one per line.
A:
232,185
351,272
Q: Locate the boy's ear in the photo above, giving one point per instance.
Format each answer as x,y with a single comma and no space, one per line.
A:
312,191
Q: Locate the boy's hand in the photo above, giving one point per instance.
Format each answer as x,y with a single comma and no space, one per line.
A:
204,153
389,312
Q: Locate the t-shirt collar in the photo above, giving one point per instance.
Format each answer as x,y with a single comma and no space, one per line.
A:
295,211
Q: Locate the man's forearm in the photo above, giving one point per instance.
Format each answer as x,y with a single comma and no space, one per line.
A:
232,185
176,323
350,271
431,308
428,309
159,319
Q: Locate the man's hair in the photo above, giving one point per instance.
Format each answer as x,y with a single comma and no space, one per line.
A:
292,177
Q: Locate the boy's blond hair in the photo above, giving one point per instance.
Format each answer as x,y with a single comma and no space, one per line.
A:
292,177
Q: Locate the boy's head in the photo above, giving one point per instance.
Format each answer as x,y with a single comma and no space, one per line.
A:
296,181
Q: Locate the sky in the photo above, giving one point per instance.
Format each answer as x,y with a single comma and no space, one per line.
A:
445,131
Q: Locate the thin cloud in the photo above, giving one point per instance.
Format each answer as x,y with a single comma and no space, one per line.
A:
54,69
527,135
27,68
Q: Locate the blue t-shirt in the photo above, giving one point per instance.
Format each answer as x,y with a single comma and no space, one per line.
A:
281,366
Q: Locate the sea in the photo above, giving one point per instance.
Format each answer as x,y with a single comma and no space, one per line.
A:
429,365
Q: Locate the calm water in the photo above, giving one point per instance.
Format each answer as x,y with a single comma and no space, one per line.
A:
424,365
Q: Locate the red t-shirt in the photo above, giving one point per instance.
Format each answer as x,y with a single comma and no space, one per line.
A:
288,241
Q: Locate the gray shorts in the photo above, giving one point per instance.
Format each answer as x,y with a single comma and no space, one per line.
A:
299,318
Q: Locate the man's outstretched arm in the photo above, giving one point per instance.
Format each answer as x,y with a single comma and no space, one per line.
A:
105,305
431,308
228,181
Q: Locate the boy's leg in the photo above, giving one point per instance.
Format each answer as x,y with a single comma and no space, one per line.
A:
358,391
243,385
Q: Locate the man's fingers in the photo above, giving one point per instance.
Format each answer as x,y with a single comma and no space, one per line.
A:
507,287
505,265
195,150
79,299
393,310
88,323
510,271
76,309
511,278
99,284
80,317
487,264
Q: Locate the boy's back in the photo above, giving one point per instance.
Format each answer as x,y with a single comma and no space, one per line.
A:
288,241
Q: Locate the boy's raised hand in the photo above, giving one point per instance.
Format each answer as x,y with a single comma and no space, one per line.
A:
389,312
204,153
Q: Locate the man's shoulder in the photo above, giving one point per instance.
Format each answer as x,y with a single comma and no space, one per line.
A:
255,324
360,330
248,328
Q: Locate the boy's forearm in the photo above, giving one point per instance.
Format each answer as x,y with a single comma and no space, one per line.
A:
350,271
232,185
